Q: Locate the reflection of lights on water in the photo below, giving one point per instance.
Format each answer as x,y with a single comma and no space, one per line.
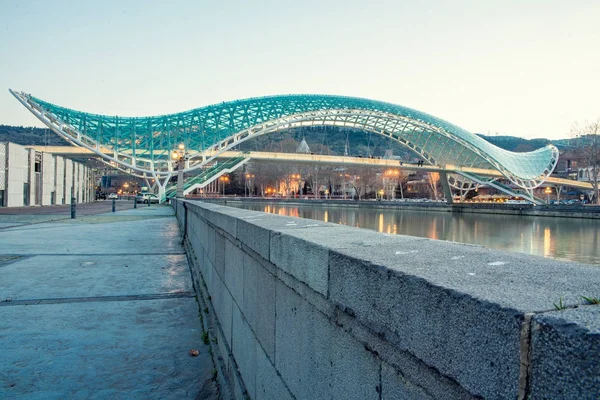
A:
433,233
547,242
501,232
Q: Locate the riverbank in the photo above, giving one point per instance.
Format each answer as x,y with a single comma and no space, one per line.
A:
559,211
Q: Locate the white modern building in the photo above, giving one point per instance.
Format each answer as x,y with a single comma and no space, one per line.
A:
33,178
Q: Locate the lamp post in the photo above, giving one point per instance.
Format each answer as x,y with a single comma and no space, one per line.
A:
180,156
224,180
249,178
548,190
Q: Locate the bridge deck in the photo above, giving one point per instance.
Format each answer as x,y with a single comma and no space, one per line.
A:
300,158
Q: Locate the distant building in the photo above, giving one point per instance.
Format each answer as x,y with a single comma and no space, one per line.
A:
585,174
303,147
34,178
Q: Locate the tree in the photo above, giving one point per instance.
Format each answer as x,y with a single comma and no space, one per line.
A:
588,146
433,179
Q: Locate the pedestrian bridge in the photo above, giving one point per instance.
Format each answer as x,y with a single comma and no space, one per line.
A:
316,159
143,146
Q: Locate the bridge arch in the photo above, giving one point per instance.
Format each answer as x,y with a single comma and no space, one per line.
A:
143,144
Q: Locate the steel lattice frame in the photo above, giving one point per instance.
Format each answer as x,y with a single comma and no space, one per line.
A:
143,146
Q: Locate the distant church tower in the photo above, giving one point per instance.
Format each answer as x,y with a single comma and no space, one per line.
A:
303,147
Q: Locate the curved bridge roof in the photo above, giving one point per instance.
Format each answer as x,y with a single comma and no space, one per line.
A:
221,126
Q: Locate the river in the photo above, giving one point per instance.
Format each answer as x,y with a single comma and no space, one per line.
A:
570,239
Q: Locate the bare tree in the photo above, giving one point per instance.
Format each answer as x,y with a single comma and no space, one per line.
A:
433,179
588,143
355,179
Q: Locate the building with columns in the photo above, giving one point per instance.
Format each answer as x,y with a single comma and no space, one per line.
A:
33,178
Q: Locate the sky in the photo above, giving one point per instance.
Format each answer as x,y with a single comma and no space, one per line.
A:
527,68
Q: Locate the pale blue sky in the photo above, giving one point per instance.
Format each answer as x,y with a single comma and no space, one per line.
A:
522,68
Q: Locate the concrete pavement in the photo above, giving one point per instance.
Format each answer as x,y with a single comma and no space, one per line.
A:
14,216
99,307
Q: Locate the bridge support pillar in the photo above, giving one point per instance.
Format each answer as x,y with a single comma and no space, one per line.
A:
446,187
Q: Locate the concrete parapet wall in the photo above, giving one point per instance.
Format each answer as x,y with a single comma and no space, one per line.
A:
308,310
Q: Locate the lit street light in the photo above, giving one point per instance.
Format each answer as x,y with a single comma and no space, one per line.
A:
249,178
224,180
548,190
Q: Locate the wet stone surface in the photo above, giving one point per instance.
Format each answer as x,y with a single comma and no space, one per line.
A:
99,307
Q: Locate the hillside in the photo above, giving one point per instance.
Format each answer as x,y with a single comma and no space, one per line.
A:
320,139
30,136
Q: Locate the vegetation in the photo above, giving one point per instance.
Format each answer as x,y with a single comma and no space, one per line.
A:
591,300
205,337
30,136
561,305
334,139
587,142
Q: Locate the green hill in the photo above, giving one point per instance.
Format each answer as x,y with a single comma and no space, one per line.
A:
326,140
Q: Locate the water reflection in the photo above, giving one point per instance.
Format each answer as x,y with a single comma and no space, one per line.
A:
560,238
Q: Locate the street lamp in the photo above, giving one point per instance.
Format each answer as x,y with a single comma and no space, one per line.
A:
548,190
224,180
180,156
249,178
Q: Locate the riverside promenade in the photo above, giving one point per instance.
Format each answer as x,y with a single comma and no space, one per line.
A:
101,306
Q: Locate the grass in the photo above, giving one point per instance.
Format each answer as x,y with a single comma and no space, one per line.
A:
561,305
205,337
591,300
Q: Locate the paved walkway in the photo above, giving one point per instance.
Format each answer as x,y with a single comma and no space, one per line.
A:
99,307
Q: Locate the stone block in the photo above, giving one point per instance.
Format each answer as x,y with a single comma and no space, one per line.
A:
473,342
219,261
210,244
316,299
215,286
244,351
412,370
225,313
510,280
395,386
234,271
565,354
193,237
269,384
255,237
207,271
259,303
203,232
222,220
306,260
327,362
224,347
